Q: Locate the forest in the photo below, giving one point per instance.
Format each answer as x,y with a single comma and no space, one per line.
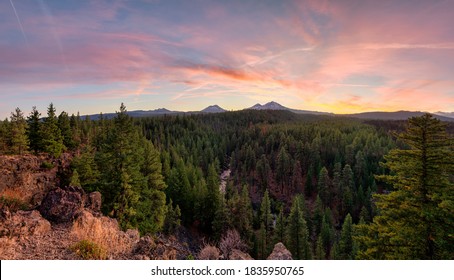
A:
327,187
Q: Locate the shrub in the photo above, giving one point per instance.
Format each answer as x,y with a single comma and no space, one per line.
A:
47,165
209,252
88,250
230,241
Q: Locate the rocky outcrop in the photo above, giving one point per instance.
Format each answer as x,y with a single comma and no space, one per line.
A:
63,204
30,177
23,224
280,253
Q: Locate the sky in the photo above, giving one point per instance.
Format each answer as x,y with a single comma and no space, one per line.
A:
332,56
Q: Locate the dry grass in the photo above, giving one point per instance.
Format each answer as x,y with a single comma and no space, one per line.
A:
14,199
104,232
7,248
209,252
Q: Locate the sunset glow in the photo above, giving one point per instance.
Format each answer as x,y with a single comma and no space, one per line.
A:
332,56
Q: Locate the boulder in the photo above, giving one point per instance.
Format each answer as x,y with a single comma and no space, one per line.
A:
25,223
280,253
63,204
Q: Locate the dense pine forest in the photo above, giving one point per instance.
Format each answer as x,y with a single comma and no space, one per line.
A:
327,187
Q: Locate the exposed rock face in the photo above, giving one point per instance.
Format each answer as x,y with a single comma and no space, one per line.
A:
239,255
63,204
23,224
280,253
30,177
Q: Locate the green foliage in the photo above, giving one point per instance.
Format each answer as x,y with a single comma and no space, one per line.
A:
297,232
415,220
345,251
19,140
88,250
130,179
47,165
50,134
33,131
172,219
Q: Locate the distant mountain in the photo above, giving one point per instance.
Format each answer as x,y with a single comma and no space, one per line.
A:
137,114
213,109
269,106
445,114
399,115
276,106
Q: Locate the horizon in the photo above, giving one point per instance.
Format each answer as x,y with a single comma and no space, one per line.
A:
338,57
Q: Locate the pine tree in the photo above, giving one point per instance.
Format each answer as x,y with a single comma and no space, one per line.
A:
221,219
19,140
172,220
297,232
4,136
87,169
345,251
319,249
415,220
34,137
52,140
151,207
323,186
66,132
121,157
279,230
265,212
262,248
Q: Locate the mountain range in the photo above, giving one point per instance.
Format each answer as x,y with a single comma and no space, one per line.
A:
399,115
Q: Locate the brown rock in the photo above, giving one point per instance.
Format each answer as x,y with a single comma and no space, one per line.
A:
280,253
145,246
25,177
94,201
26,223
239,255
63,204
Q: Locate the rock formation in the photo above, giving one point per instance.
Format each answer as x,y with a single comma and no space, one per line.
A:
280,253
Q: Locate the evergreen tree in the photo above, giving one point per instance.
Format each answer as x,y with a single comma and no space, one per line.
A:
52,140
345,251
172,218
297,232
87,169
244,214
415,220
319,249
4,136
323,186
265,212
221,219
279,230
262,248
151,207
34,137
19,140
121,158
66,132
